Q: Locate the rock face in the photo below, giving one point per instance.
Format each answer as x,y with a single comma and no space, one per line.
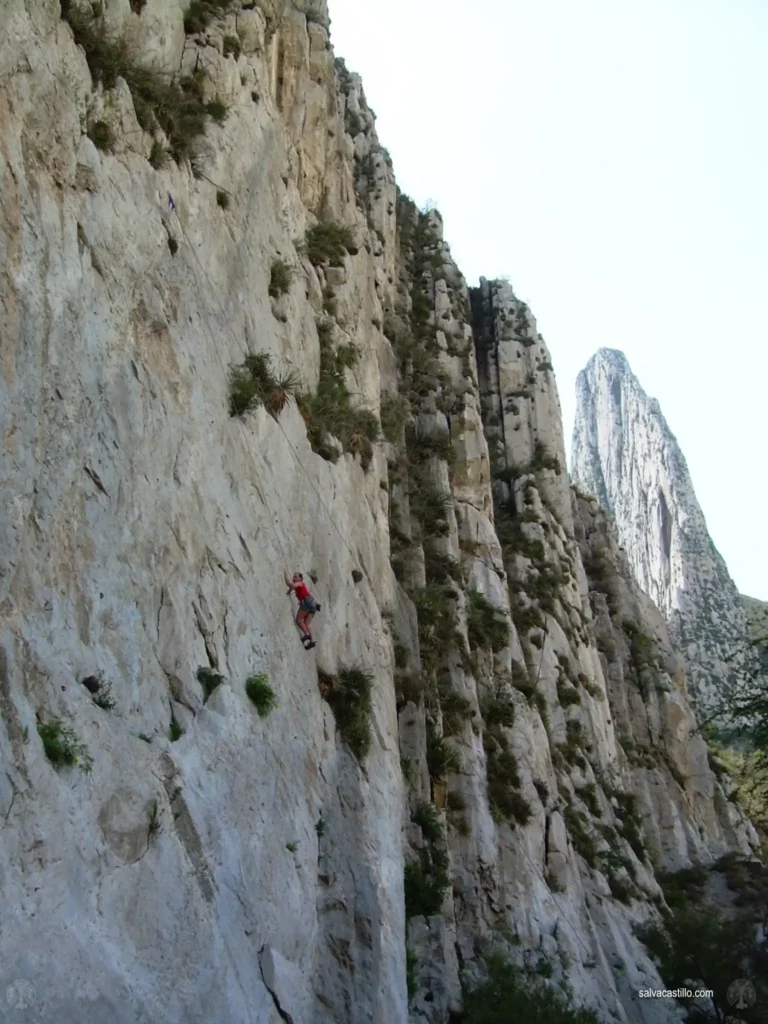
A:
757,617
524,760
757,613
625,454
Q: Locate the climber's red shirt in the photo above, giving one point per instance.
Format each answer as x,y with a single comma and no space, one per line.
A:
301,590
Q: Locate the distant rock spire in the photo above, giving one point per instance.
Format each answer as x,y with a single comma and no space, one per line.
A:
624,453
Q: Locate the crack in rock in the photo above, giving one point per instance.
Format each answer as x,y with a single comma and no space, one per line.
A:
268,966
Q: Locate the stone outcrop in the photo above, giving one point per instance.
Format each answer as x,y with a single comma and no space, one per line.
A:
757,617
625,454
525,760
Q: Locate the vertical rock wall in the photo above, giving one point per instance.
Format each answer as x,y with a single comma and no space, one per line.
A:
530,761
625,454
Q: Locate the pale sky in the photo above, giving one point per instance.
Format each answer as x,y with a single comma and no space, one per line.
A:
611,159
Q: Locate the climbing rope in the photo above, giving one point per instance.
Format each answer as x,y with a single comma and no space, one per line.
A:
215,348
243,348
298,460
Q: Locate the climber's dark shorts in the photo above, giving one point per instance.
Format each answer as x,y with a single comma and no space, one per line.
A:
309,605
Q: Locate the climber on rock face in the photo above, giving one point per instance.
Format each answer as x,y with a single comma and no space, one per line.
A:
308,606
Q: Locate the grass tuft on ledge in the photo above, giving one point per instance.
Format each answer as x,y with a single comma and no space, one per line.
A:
255,383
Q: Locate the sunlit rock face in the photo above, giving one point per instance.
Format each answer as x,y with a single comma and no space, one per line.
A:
525,774
757,616
625,454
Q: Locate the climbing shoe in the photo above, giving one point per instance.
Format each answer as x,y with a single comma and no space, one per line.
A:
310,645
317,607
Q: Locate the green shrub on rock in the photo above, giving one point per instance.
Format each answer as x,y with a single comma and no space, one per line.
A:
512,994
442,759
255,383
329,243
62,747
101,135
281,275
350,699
177,107
201,13
261,694
485,626
329,413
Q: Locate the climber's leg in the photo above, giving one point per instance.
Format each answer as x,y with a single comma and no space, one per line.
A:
301,622
309,643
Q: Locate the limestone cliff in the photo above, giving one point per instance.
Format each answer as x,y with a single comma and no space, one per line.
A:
757,617
624,453
490,745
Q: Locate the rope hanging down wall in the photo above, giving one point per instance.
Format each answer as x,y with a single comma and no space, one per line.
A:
244,350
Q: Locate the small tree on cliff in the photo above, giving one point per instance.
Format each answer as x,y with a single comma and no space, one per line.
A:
513,994
699,946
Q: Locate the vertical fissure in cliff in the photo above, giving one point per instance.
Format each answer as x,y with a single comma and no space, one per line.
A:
665,526
486,349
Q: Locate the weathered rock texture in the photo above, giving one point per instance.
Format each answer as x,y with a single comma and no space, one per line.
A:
624,453
757,617
532,757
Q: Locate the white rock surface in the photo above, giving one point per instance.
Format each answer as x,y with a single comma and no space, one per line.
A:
757,617
252,870
624,453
